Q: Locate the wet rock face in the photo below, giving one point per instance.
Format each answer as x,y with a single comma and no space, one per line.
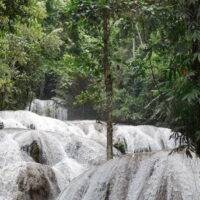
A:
1,125
144,176
37,182
32,126
121,146
162,192
34,151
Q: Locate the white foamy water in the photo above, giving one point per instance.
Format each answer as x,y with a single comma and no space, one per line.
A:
146,176
55,152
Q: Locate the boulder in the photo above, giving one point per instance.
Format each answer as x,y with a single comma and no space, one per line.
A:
1,125
37,182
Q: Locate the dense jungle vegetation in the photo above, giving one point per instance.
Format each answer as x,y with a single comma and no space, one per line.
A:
133,61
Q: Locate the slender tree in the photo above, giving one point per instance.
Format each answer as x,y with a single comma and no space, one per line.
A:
108,82
102,14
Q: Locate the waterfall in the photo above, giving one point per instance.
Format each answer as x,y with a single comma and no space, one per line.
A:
147,176
50,108
55,152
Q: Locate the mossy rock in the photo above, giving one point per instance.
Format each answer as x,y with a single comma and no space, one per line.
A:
121,146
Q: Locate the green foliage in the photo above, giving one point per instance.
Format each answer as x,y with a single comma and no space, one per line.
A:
177,103
154,54
25,48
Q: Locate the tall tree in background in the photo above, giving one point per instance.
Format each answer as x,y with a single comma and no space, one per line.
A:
97,16
89,11
108,81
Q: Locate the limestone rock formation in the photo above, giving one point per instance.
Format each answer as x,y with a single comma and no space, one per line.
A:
142,176
35,163
37,182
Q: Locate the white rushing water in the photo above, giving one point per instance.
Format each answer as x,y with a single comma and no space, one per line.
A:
50,108
147,176
40,156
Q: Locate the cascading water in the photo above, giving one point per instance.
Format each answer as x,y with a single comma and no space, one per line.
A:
147,176
40,156
50,108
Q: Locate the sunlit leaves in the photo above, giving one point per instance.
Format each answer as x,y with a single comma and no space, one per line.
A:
52,43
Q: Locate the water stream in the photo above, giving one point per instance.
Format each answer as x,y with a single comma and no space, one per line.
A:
41,156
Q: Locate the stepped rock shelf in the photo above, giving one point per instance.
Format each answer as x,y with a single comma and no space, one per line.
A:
47,159
146,176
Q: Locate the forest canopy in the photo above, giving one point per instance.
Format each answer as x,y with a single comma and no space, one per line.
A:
55,48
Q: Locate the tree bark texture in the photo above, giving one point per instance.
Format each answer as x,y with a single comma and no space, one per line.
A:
108,84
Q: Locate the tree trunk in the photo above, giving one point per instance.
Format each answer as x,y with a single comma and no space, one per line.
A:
108,83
